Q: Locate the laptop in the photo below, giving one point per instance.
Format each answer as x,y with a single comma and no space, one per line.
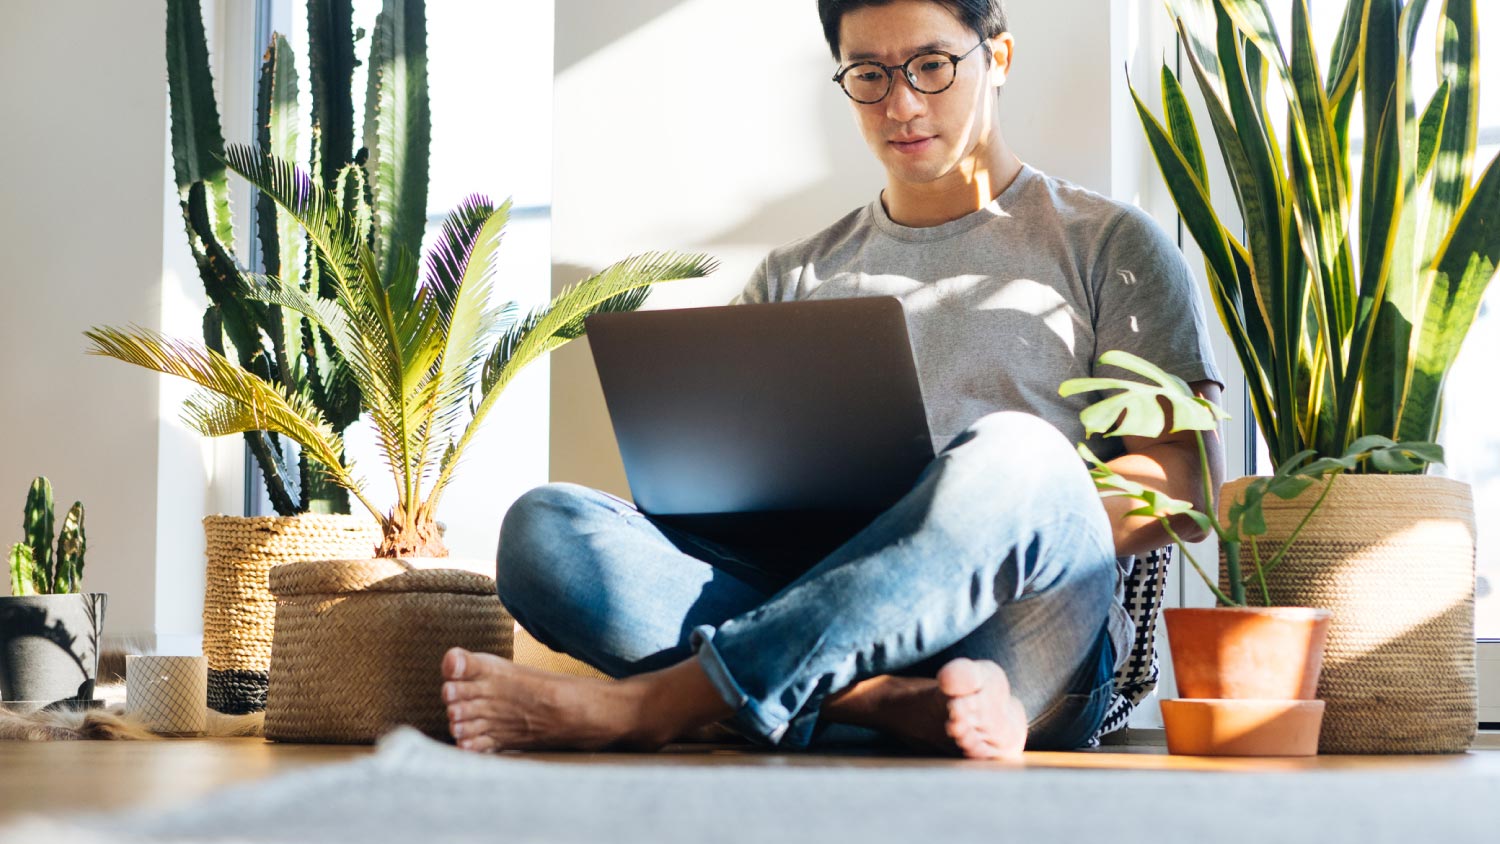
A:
781,429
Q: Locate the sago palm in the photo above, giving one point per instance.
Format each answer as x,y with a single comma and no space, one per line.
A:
428,349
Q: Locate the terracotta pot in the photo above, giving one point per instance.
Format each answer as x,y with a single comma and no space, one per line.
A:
1264,653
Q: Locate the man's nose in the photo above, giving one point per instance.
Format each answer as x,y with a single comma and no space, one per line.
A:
904,102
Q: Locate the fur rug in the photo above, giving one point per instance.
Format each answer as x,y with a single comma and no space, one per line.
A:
110,723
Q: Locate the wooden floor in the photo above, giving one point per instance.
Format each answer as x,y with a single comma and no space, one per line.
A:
68,777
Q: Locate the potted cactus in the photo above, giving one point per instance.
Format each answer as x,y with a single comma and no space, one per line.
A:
1247,670
1347,296
49,629
358,643
384,186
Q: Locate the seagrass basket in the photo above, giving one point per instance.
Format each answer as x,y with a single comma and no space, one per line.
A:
1392,557
359,645
238,609
533,654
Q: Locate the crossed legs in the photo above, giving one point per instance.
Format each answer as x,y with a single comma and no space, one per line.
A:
998,557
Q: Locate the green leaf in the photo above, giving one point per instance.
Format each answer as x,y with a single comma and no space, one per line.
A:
1136,410
1184,129
1430,130
1463,269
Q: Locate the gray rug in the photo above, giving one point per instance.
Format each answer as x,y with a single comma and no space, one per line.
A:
416,790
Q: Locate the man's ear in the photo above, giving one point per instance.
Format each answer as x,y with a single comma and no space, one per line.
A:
1002,51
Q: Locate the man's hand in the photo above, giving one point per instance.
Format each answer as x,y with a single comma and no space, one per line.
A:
1169,464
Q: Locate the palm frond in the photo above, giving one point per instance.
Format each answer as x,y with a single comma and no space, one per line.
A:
331,231
236,401
621,286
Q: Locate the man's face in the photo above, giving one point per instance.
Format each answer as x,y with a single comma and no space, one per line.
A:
919,138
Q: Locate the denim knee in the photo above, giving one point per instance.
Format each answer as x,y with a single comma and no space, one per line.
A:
528,567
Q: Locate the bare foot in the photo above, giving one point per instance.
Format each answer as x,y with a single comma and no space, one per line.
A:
494,704
967,710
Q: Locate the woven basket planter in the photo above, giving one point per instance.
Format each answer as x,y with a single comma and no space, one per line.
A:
533,654
1392,557
238,609
359,645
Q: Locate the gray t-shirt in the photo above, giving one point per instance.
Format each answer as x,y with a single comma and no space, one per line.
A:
1006,303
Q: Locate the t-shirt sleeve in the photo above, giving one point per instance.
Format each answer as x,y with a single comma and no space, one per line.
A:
1147,301
758,289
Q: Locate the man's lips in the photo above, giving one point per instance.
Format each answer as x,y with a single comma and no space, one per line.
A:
912,144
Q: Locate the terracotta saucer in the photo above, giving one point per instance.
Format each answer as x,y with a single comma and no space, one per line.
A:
1239,727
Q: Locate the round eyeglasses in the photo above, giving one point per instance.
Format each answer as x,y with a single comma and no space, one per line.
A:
932,72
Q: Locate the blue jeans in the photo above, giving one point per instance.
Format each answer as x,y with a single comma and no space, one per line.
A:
1001,551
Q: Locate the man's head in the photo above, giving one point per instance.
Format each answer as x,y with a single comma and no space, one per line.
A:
921,137
986,18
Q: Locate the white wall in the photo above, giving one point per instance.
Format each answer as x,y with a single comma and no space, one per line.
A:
81,244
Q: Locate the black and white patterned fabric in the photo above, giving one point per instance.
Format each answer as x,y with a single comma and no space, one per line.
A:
1136,679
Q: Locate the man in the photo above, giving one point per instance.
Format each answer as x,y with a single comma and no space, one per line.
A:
981,614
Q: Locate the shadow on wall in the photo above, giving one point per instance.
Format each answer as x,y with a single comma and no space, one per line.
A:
583,448
606,24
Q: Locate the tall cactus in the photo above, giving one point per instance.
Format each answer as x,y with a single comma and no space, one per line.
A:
35,568
384,185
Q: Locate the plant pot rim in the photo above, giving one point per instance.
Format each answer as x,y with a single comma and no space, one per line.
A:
1288,613
54,595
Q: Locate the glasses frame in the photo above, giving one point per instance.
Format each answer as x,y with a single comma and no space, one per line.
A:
905,68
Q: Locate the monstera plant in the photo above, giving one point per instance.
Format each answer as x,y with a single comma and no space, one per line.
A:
1361,267
428,349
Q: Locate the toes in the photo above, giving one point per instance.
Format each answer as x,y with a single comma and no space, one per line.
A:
478,744
960,677
458,690
459,664
472,728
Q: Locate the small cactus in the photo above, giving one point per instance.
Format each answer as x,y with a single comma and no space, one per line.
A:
35,568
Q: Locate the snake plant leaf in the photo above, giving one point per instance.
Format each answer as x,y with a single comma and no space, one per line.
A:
1430,130
1458,62
22,570
1184,131
197,139
1463,269
398,129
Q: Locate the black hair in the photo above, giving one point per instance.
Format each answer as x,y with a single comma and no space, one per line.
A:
985,17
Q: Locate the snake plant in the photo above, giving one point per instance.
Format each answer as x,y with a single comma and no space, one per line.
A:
1350,293
382,185
426,347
